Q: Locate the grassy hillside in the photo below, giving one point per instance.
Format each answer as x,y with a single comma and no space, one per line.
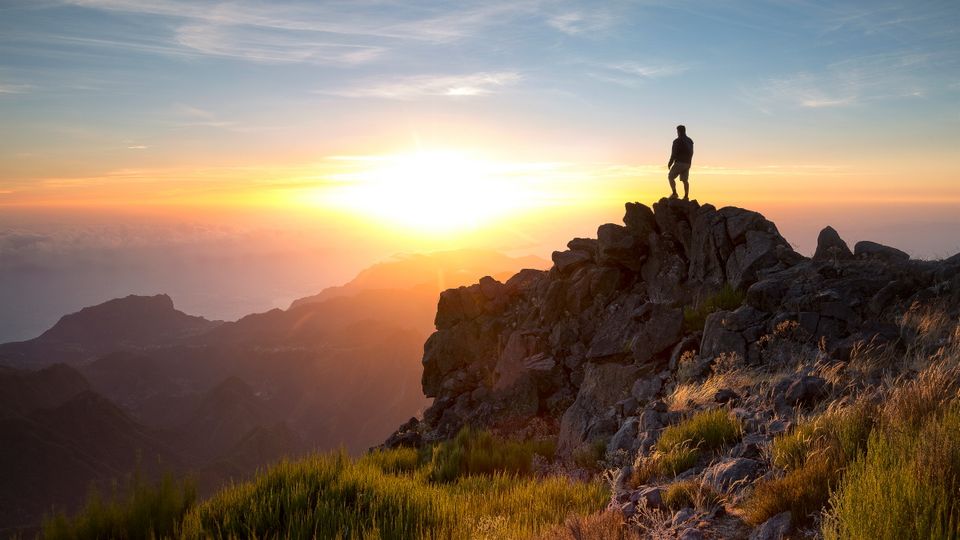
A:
474,486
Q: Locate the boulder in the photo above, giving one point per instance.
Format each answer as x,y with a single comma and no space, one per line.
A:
616,330
586,245
709,249
805,390
646,389
831,247
567,261
730,331
492,289
603,385
660,328
616,246
626,437
872,250
775,528
729,472
639,219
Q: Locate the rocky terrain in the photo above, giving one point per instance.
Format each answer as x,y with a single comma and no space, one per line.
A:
682,310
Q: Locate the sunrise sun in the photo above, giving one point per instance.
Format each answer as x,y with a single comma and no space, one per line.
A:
437,192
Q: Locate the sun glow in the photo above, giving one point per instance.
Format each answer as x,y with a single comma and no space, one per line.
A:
433,192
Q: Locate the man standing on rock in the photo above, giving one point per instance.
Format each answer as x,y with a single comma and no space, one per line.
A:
681,156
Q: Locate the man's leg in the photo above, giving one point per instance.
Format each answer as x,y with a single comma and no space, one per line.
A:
684,176
673,185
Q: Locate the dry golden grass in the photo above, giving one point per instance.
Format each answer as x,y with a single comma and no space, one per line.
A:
607,525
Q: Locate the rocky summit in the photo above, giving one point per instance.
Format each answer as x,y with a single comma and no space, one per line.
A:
592,350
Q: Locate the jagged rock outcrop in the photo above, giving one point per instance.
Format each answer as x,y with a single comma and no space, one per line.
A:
588,343
531,346
593,347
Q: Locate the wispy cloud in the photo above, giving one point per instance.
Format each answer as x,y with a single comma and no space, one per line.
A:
849,82
633,74
580,22
469,85
137,147
7,88
321,32
648,71
270,45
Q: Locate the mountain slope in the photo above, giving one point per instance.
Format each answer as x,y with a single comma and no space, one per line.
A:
53,456
431,271
130,323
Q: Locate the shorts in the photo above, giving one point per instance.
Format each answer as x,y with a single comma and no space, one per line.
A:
679,169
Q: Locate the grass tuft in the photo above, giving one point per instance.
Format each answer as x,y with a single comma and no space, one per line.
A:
148,510
479,452
726,299
705,430
691,493
333,496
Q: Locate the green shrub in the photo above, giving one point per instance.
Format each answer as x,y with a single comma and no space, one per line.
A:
905,486
479,452
691,493
589,456
815,454
147,510
664,464
705,430
726,299
396,460
840,434
801,491
332,496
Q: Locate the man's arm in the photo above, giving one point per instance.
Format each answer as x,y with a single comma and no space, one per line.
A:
673,154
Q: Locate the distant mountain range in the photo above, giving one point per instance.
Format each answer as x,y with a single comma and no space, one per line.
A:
134,380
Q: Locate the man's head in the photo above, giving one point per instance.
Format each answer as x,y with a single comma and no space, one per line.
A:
681,130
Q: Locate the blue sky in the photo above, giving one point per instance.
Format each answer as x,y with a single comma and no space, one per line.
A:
114,112
89,86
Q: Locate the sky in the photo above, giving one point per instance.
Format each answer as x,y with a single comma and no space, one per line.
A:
240,154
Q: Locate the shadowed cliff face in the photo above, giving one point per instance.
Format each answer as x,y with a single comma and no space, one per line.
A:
590,342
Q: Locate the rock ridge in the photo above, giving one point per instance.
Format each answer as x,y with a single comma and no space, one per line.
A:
586,346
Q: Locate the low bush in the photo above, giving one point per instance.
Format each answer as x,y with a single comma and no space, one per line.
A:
814,455
691,493
480,452
705,430
663,464
143,510
905,486
590,456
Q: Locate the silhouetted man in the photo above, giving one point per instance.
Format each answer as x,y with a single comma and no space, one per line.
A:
681,156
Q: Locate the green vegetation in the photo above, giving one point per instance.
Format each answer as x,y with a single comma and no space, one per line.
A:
905,485
680,446
814,455
473,486
728,298
332,496
479,452
589,456
691,493
663,464
888,471
705,430
146,511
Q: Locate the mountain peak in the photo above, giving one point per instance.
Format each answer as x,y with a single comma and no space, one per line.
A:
129,323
